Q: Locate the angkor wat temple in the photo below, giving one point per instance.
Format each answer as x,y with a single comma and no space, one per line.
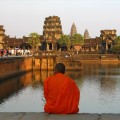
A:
52,31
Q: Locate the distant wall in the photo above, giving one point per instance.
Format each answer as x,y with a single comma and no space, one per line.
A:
98,57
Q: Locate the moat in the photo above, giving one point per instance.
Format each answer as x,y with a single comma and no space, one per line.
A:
99,84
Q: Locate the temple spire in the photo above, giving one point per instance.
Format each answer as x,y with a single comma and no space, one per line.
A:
73,29
86,34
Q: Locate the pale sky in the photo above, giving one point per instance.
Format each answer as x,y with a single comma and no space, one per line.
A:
21,17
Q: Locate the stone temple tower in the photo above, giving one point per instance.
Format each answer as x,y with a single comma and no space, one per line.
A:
52,31
86,34
73,29
2,31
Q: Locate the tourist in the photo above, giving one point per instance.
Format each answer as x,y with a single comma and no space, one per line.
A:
2,53
7,52
61,93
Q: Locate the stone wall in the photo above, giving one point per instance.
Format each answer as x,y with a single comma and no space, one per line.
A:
98,57
12,66
44,63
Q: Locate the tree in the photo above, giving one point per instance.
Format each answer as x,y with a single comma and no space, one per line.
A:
117,40
64,41
116,49
77,39
116,46
34,40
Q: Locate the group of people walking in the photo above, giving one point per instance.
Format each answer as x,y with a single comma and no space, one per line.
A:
14,52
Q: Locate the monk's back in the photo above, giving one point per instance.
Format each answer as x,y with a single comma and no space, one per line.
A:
62,94
55,83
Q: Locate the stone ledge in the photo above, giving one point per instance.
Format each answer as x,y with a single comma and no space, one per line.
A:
46,116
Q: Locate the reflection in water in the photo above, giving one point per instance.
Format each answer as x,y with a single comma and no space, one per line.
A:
99,85
100,88
107,92
8,88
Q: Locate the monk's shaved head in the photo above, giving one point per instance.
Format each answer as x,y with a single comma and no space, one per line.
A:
59,68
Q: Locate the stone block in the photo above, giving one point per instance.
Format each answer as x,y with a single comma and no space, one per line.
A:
11,116
35,116
84,116
110,117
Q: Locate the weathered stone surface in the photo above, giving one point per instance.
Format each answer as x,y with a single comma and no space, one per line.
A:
46,116
35,116
11,116
74,117
110,117
13,66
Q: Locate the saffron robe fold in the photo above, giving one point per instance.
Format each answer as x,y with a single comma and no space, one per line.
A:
62,95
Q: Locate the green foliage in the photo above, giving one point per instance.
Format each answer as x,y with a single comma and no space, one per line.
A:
117,40
64,40
116,49
77,39
34,39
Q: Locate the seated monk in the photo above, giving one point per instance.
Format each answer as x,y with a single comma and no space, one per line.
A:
61,93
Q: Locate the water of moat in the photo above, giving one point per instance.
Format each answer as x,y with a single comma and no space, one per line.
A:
99,85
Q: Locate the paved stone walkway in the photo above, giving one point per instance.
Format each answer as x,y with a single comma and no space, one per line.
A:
45,116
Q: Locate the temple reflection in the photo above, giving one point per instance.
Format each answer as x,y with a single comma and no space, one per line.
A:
10,87
104,77
35,78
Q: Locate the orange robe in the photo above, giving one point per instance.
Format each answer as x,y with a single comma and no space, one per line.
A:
61,94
